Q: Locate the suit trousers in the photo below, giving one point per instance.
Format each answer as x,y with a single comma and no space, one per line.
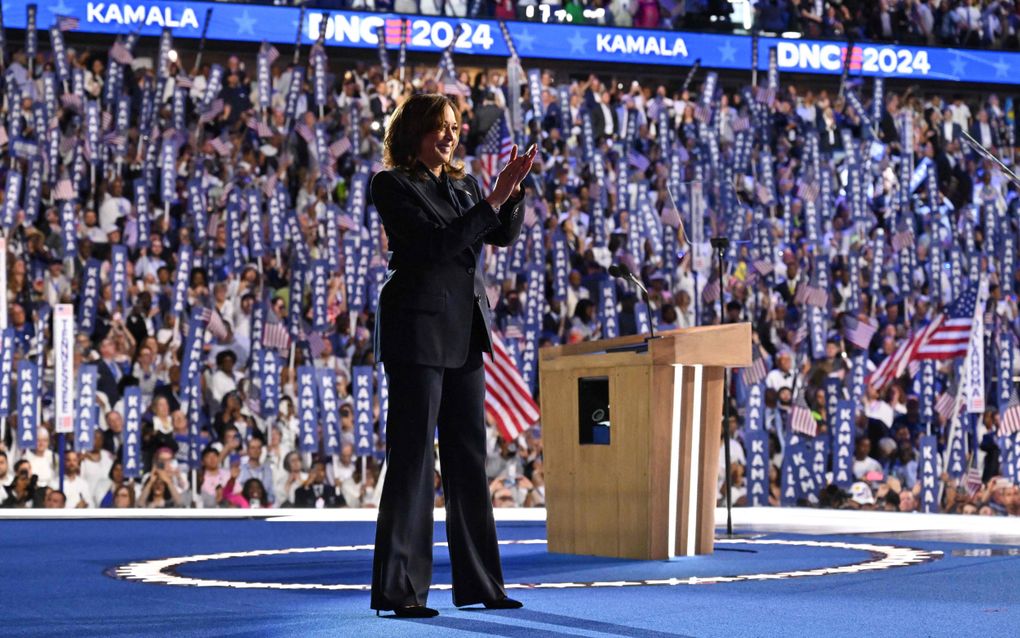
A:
421,397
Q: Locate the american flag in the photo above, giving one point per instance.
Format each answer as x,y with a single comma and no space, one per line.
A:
812,296
214,322
316,342
711,292
492,293
859,331
508,400
894,365
305,132
530,216
269,186
972,481
64,190
1009,420
340,147
801,419
951,333
764,267
764,194
120,54
945,405
261,128
71,101
756,372
802,332
513,329
68,143
637,160
113,138
494,150
67,23
183,82
703,113
211,112
220,145
275,335
105,120
272,53
765,95
455,88
740,124
903,239
809,191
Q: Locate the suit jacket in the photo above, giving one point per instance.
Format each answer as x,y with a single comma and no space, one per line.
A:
433,289
107,383
305,497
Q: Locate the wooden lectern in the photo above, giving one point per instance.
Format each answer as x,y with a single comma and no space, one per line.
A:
631,438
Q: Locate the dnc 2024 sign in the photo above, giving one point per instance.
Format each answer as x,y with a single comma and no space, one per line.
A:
254,23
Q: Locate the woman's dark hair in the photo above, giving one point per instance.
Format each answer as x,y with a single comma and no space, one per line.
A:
165,493
130,492
582,308
117,463
250,485
414,119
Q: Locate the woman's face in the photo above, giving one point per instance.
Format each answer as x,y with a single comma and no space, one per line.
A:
437,147
122,498
161,407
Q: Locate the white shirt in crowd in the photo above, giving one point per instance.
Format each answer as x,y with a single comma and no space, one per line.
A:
111,210
867,465
881,411
42,466
778,379
77,490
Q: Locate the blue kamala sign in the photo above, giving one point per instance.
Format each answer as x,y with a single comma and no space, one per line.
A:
254,23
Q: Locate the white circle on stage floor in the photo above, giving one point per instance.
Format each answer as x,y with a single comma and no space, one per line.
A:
163,571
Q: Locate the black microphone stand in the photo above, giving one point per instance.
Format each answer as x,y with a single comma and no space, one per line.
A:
720,245
644,294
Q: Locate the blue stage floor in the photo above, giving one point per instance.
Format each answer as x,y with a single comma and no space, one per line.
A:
61,577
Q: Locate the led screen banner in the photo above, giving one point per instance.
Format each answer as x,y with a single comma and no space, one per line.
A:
254,23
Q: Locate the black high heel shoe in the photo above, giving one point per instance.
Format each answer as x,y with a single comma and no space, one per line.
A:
503,603
412,611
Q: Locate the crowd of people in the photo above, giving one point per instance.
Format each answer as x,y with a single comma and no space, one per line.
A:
971,23
849,192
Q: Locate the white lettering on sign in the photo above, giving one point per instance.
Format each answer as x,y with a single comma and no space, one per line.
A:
430,34
641,45
830,57
149,15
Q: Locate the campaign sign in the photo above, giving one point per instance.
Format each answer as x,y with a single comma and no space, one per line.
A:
131,453
363,418
756,450
307,409
329,402
63,354
929,474
86,419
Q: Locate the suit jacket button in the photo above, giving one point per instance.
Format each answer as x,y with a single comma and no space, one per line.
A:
470,271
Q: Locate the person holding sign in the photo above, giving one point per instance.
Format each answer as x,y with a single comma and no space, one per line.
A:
431,330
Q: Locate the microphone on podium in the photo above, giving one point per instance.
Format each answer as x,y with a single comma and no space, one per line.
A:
621,271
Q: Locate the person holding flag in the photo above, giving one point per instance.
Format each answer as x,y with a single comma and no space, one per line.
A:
432,327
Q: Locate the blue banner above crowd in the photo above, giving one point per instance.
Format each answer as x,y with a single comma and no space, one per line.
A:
255,23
